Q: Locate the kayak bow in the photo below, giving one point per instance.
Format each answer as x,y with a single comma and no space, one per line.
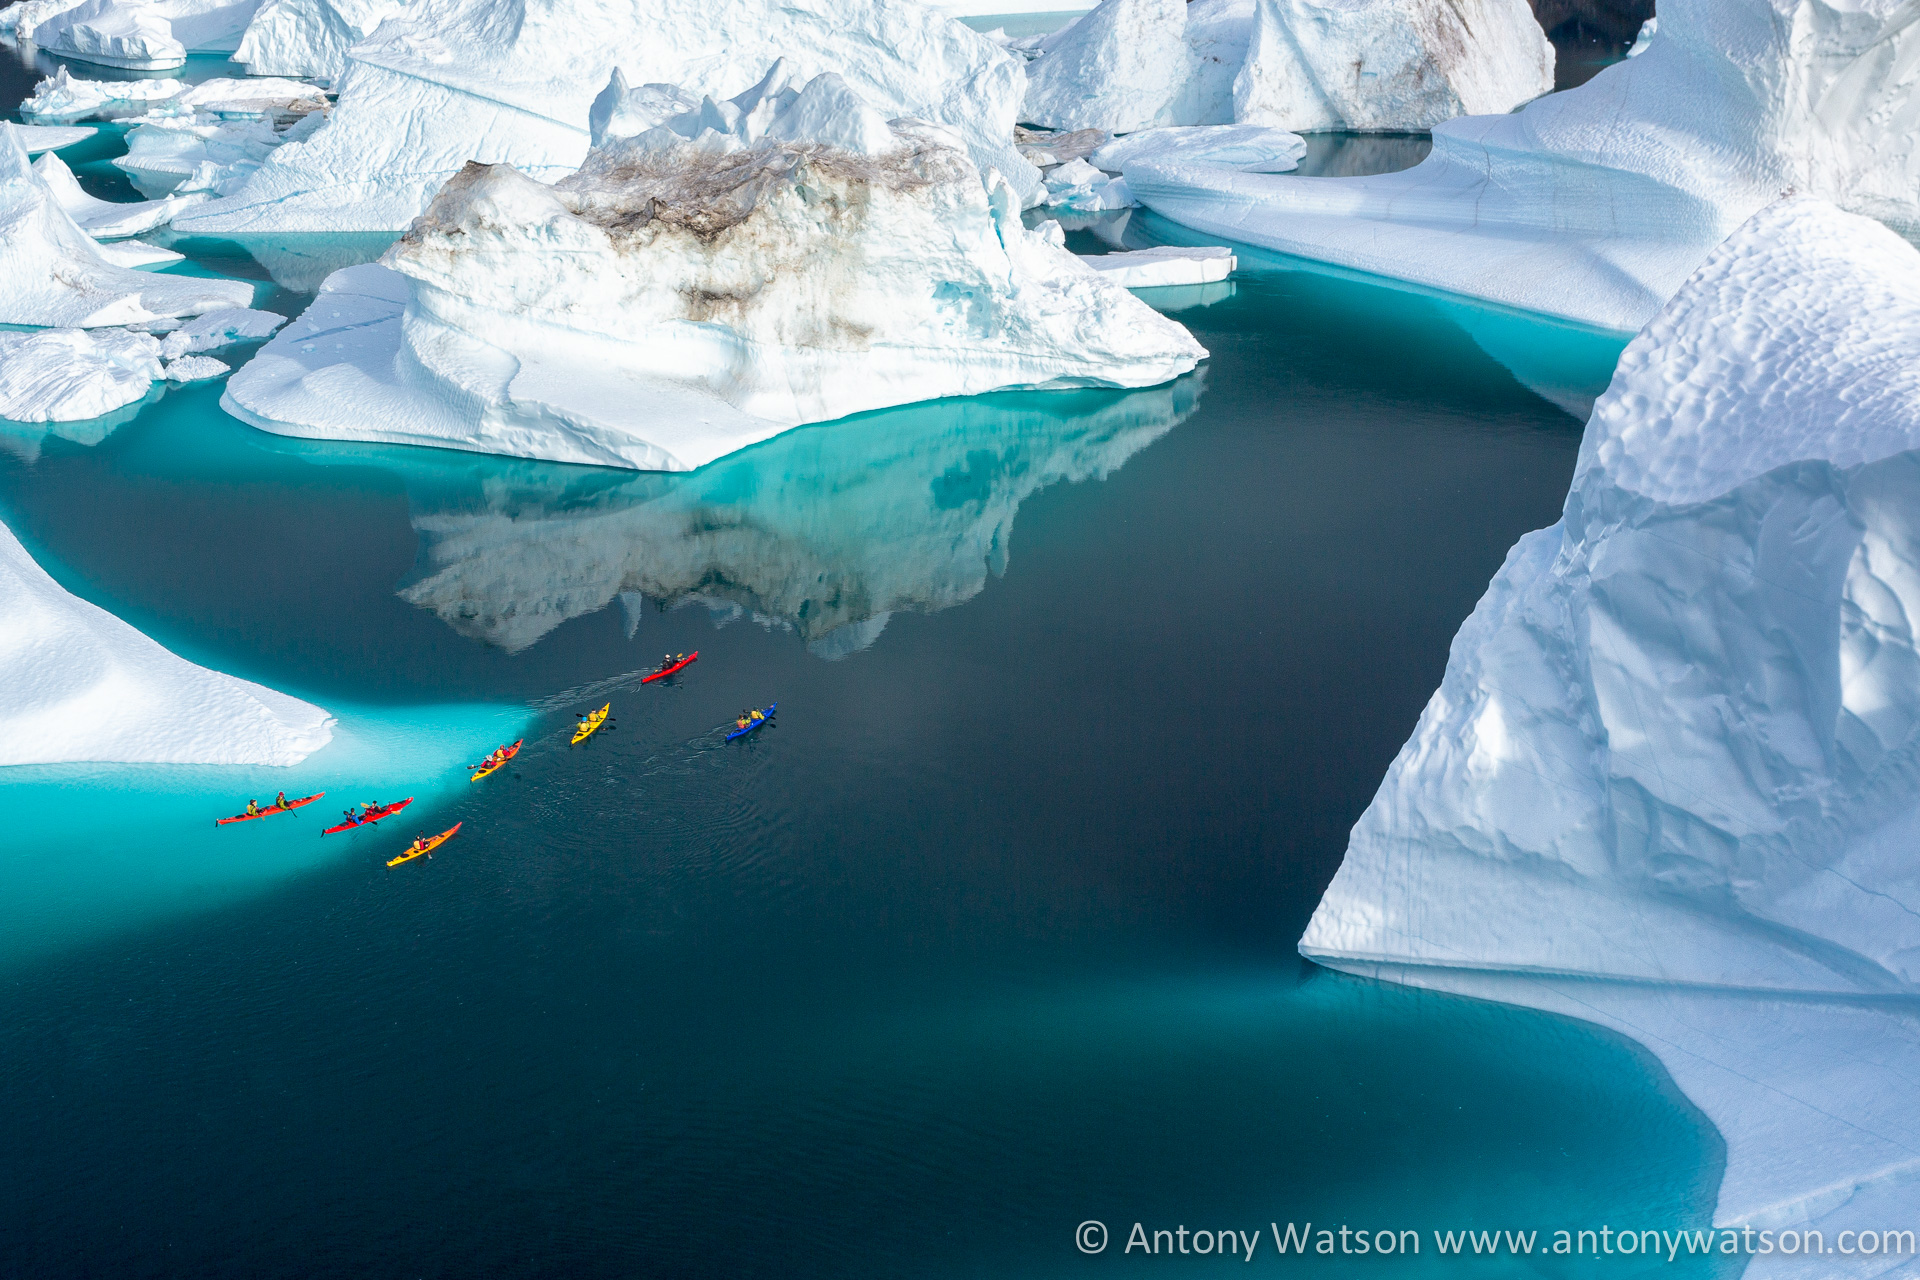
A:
594,721
269,811
489,767
371,816
431,845
767,714
664,672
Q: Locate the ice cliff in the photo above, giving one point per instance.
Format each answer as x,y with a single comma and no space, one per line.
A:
52,272
513,82
788,256
1596,203
1671,779
84,686
1290,64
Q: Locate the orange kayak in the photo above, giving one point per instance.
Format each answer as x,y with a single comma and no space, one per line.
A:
414,851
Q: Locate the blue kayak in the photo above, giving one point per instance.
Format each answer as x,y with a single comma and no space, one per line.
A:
767,711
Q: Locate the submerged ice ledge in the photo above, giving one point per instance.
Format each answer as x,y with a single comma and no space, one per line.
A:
84,686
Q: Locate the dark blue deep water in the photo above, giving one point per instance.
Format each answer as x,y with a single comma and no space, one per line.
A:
992,934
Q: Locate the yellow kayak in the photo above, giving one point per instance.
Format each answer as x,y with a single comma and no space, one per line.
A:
594,721
415,850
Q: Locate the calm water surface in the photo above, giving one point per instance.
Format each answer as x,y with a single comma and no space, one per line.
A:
993,933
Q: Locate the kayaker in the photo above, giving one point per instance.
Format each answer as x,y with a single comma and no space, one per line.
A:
350,816
253,808
759,715
581,727
666,660
742,720
280,801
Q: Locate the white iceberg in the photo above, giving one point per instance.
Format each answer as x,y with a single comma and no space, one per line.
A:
38,138
1671,779
1160,267
1254,148
141,35
213,330
1596,203
67,97
52,272
84,686
1078,187
678,298
195,154
70,375
194,369
113,33
310,37
510,82
21,19
102,219
1289,64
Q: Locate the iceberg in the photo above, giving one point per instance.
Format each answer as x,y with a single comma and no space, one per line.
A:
102,219
1253,148
694,289
1166,265
513,82
1671,779
1595,204
213,330
140,35
66,97
194,369
52,273
84,686
1390,65
195,155
39,138
70,375
114,33
310,37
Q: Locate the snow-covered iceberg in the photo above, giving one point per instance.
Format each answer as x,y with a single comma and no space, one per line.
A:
38,138
1291,64
52,272
829,532
310,37
1163,266
142,35
514,81
103,219
70,375
1671,779
84,686
64,96
705,284
1596,203
113,33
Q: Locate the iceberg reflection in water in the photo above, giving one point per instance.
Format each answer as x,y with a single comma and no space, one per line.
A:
827,529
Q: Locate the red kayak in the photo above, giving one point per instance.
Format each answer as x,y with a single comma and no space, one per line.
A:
664,672
371,816
269,811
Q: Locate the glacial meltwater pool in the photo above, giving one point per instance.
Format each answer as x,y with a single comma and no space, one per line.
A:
991,936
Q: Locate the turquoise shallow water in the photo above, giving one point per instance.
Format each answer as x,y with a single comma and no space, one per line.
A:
992,934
